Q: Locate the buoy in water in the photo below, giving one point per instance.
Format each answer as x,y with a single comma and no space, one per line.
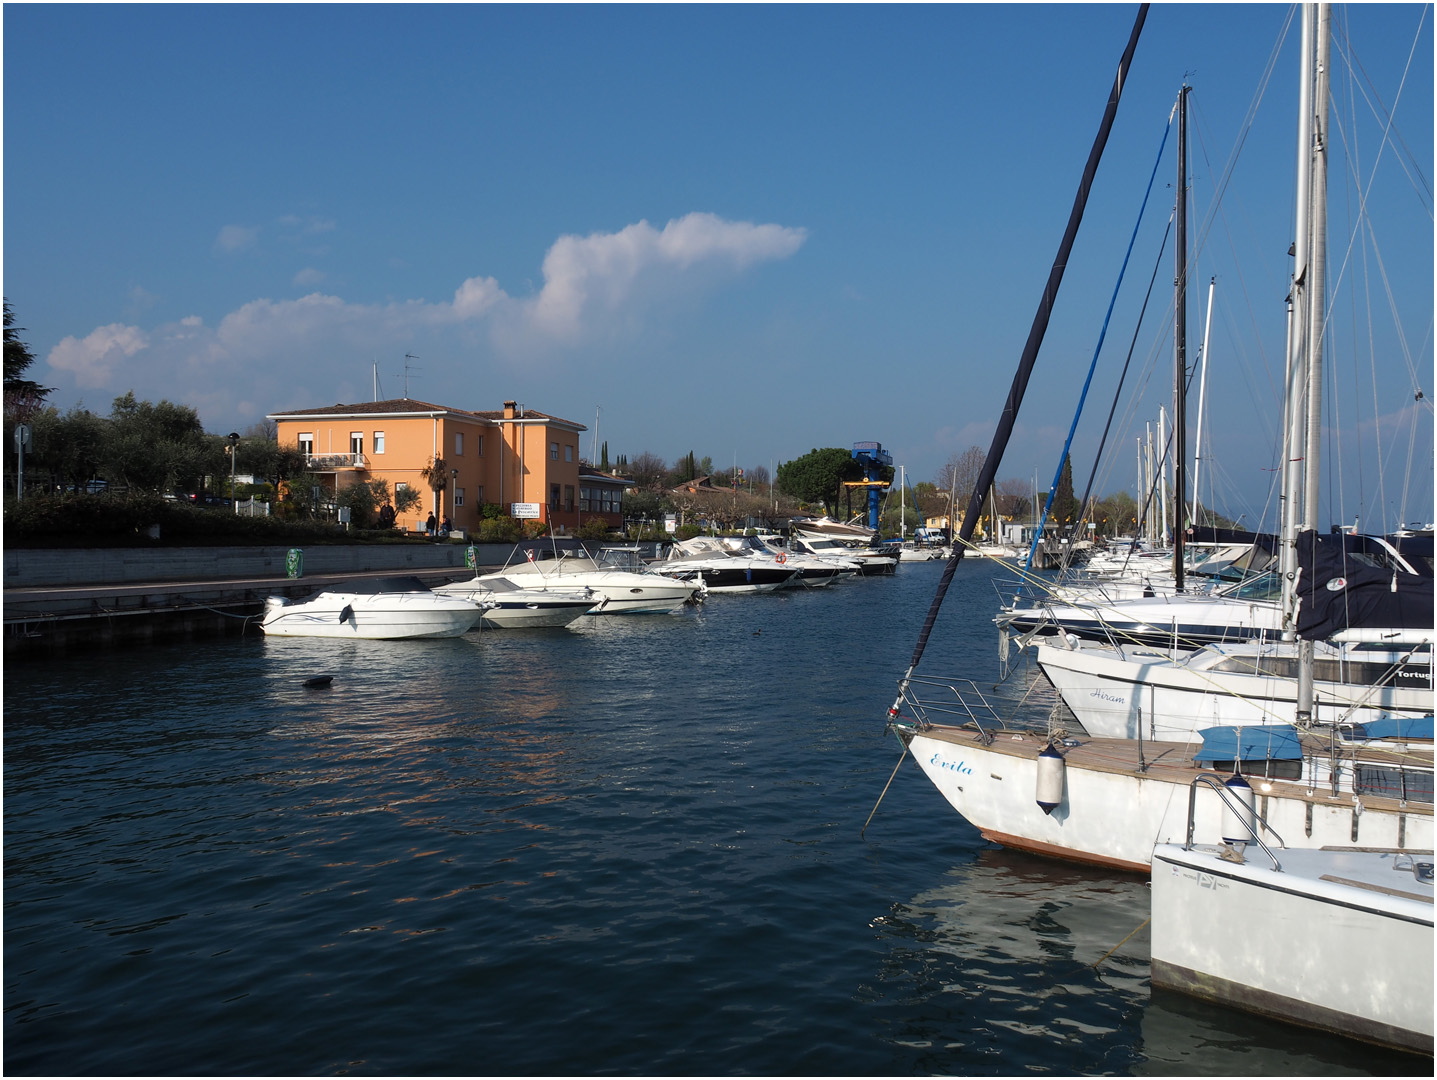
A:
319,681
1051,766
1237,820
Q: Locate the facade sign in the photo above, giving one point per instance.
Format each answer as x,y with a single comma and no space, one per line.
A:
524,510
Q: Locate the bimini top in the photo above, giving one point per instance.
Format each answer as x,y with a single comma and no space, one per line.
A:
1258,742
369,586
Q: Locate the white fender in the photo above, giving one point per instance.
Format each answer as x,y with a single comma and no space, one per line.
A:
1051,768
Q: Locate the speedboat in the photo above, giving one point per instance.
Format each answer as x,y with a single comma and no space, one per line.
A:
723,571
386,608
871,560
507,605
620,578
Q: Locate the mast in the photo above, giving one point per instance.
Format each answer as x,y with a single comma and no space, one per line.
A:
1180,335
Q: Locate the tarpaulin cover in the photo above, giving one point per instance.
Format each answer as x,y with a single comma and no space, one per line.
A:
1337,592
1395,727
1261,742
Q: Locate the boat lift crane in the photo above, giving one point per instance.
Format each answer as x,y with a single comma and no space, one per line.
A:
873,459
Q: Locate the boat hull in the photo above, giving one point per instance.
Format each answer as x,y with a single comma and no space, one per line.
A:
376,617
1115,693
1112,814
1239,934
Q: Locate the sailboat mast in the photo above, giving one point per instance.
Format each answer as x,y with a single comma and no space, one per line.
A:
1180,337
1295,430
1317,289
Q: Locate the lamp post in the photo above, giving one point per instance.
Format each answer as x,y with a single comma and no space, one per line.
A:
454,485
234,453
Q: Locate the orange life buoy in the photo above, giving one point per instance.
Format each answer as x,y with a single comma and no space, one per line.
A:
782,557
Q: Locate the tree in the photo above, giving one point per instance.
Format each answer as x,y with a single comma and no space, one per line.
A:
649,471
437,474
22,396
159,448
959,475
815,477
1065,503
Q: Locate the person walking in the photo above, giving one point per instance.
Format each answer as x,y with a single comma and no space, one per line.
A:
429,524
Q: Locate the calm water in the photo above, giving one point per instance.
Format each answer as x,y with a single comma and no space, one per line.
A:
630,847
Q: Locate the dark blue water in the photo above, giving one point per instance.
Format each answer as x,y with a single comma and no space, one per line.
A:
631,847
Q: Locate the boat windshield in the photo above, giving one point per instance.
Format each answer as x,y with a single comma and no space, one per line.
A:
1266,586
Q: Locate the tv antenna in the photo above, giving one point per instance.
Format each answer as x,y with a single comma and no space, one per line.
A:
407,366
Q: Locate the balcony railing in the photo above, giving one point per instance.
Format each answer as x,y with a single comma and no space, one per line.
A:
328,462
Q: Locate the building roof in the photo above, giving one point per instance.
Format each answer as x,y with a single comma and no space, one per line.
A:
414,407
588,472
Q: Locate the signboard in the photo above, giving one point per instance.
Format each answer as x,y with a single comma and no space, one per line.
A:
671,522
524,510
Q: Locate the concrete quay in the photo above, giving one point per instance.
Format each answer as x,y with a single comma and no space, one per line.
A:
58,601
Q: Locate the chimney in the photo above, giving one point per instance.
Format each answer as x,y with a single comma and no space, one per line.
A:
509,409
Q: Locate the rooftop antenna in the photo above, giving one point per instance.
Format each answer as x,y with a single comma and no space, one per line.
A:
407,357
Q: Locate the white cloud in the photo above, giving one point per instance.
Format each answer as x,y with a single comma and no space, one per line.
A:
93,360
235,238
309,276
597,290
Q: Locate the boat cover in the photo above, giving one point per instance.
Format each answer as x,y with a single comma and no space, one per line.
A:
1394,727
1337,592
369,586
1259,742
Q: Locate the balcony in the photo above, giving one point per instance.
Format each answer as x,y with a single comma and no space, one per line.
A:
334,462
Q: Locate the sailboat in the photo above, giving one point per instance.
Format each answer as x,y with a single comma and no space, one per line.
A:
1109,801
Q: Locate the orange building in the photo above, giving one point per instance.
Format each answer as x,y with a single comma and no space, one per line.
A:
525,461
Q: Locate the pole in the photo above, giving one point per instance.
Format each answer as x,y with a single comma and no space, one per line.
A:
1180,346
1202,395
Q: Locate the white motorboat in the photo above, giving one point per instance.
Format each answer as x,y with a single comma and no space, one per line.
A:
507,605
826,528
621,579
704,559
1131,691
1335,940
388,608
813,572
870,560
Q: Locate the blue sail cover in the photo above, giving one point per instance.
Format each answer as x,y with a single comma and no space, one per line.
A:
1338,592
1395,727
1260,742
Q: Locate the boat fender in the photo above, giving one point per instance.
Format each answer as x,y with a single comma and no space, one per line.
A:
1237,825
347,614
1051,767
319,682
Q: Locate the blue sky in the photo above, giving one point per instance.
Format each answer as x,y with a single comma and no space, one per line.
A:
743,231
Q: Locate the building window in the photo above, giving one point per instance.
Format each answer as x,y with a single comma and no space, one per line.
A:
586,498
554,494
553,451
379,442
568,453
479,494
458,443
569,497
478,445
458,497
306,443
356,442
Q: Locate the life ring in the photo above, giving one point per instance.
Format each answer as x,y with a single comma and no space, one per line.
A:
782,557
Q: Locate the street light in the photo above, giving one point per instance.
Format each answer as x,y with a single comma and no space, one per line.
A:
453,506
233,448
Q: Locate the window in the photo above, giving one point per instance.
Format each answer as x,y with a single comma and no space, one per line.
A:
478,445
399,485
379,442
458,443
306,443
568,453
553,451
554,493
356,442
569,497
586,498
458,497
479,494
